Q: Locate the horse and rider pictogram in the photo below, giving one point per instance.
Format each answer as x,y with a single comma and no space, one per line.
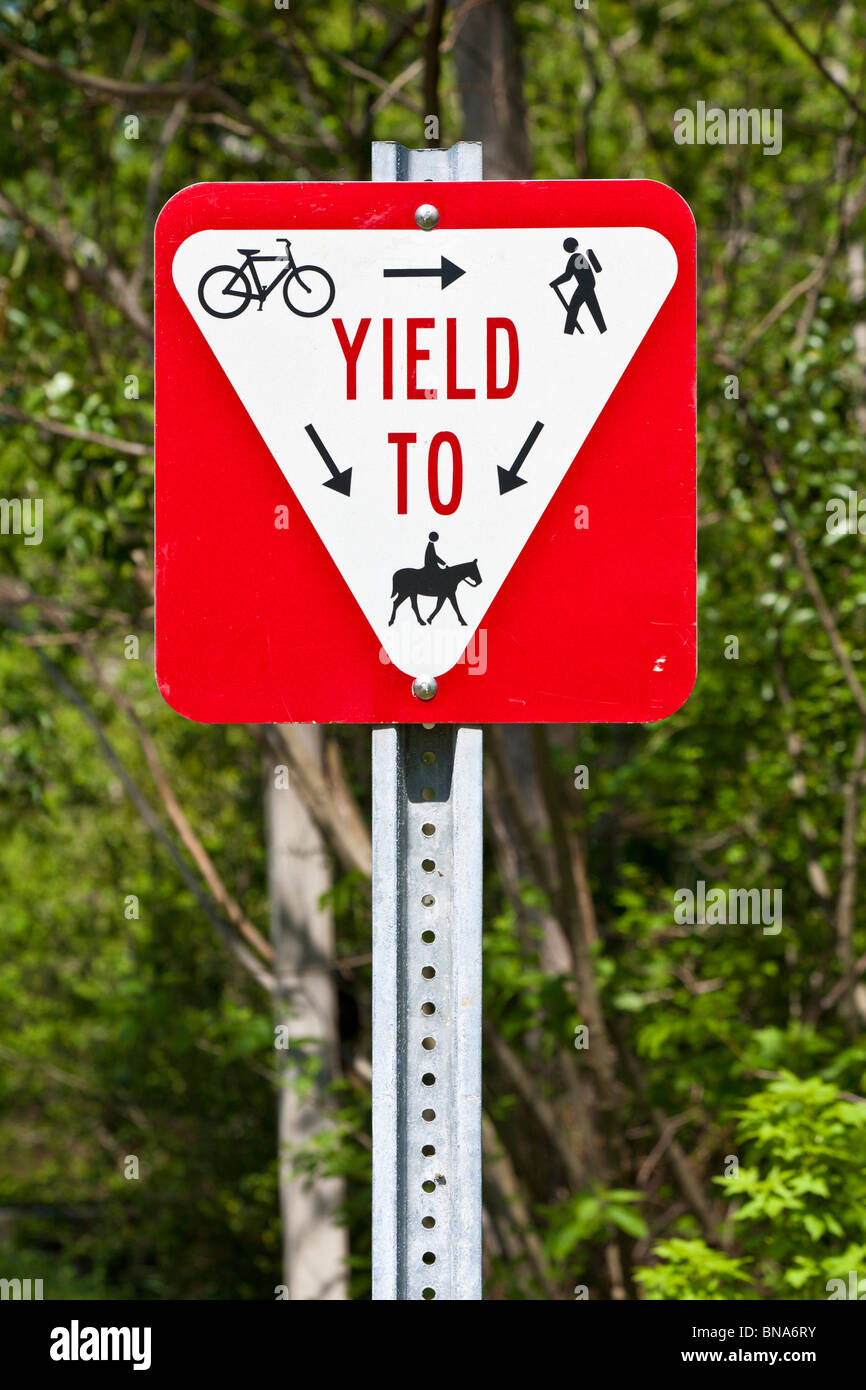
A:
435,580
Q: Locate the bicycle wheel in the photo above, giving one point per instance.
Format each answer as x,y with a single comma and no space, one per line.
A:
229,291
314,294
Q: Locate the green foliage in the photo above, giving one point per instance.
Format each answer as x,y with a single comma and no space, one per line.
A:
797,1201
590,1217
692,1270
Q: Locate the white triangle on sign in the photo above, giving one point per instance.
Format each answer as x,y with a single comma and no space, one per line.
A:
373,501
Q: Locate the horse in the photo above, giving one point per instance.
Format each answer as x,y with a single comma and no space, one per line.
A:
441,585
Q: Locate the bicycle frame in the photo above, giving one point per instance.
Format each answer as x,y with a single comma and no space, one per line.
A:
261,292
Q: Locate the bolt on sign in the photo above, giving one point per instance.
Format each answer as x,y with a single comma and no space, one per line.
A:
420,430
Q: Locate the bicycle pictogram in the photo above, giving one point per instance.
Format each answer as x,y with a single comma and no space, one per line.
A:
226,290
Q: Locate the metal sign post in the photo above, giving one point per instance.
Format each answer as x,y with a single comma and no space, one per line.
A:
427,833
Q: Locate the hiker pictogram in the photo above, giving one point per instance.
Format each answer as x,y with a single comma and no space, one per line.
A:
583,269
436,580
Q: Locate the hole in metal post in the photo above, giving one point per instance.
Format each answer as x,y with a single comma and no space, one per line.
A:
428,1222
428,1257
428,900
428,794
428,1186
428,865
428,972
428,1293
428,936
428,1044
428,1114
428,829
428,1008
428,758
428,1151
429,1079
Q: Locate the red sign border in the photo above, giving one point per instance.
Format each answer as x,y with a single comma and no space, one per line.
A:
343,677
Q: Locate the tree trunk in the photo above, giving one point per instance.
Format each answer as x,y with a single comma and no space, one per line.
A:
302,934
490,83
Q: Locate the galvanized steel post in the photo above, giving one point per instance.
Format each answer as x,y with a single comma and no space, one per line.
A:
427,833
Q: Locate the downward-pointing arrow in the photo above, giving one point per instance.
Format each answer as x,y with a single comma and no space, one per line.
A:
448,271
508,479
339,481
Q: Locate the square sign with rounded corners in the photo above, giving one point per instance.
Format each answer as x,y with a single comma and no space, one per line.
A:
462,451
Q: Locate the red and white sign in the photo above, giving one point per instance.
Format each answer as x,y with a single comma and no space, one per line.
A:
385,452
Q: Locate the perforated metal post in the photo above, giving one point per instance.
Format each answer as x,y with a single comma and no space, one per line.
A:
427,832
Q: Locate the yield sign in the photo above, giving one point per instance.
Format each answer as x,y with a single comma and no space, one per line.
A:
425,397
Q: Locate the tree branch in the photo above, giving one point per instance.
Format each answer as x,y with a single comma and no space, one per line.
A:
328,798
178,818
105,441
109,284
432,65
848,886
815,58
236,948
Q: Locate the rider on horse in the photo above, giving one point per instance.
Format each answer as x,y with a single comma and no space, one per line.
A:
432,562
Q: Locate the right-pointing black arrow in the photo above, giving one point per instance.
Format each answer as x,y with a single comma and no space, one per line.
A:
339,481
508,477
448,272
